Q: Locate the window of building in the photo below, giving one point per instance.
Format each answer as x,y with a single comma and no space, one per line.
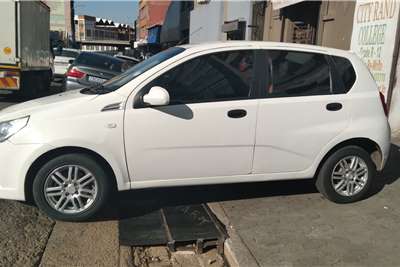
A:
214,77
298,74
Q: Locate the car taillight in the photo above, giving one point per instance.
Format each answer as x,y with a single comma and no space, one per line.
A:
74,72
385,109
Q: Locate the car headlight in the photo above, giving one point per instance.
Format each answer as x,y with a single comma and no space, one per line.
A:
9,128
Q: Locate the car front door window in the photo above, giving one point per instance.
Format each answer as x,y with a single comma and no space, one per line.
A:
216,77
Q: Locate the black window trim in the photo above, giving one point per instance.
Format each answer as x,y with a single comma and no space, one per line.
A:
253,94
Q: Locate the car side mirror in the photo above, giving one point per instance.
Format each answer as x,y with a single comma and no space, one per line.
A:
157,96
71,61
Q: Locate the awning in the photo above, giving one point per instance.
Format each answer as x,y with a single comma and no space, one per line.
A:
278,4
230,26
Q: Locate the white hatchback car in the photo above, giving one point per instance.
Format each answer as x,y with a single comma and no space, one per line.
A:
203,114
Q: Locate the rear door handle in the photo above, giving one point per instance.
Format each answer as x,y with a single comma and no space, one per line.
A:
334,106
237,113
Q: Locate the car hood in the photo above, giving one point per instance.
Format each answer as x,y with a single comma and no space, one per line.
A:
44,103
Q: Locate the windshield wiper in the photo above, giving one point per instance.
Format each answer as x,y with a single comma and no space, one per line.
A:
95,90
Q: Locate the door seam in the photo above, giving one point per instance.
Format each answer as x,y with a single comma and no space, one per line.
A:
255,138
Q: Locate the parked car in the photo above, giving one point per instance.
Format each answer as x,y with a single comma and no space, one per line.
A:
200,114
63,57
90,69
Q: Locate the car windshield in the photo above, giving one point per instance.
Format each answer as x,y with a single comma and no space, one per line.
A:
136,70
99,61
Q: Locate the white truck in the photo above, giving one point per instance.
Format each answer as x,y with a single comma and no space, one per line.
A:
25,55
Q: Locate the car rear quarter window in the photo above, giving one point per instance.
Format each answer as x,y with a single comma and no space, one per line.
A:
296,73
345,73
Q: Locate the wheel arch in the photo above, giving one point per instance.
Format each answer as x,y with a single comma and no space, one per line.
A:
40,161
367,144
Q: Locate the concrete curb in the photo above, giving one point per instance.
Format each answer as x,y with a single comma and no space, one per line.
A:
235,250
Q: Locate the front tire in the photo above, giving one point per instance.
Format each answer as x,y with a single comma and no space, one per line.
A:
71,187
346,176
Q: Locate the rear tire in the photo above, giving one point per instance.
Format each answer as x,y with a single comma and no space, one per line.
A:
71,187
346,175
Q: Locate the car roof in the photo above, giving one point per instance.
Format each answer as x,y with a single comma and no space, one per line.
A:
267,45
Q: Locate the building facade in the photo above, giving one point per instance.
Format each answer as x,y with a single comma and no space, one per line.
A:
98,34
220,20
151,13
62,28
325,23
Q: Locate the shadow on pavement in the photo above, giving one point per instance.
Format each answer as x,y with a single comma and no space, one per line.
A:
390,173
15,99
139,202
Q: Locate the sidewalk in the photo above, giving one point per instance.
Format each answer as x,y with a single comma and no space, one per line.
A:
304,229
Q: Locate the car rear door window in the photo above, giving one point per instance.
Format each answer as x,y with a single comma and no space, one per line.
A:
215,77
298,74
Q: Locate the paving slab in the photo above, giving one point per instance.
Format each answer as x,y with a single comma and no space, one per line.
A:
24,232
83,244
308,230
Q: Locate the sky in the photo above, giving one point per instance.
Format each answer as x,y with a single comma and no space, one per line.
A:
118,11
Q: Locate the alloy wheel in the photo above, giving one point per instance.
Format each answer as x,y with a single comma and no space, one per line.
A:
70,189
349,176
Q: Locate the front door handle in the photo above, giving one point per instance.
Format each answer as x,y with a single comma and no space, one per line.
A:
334,106
237,113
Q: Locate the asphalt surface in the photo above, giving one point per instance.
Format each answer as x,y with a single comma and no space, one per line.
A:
24,230
290,224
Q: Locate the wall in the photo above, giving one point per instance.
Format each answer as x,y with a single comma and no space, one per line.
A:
206,21
241,10
336,24
273,24
60,17
151,13
394,114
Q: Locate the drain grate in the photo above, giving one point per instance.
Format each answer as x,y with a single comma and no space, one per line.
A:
174,226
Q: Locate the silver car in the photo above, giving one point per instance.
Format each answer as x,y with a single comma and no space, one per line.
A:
90,69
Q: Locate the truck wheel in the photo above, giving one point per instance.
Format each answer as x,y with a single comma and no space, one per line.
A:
346,176
29,85
47,81
71,187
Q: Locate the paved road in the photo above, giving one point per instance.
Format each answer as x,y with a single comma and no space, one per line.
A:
24,230
292,225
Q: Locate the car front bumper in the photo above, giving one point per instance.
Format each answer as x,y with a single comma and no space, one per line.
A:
15,162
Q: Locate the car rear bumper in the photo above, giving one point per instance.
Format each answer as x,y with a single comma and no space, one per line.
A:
16,161
72,84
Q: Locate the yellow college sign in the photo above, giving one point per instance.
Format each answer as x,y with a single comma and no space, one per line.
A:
373,38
